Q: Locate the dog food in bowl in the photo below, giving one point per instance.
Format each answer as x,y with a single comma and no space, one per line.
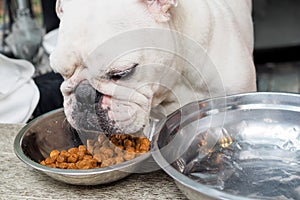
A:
99,153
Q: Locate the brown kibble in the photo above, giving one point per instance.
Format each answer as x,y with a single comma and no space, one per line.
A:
62,165
145,141
108,162
138,146
72,166
52,165
128,143
130,137
117,136
98,157
82,164
104,157
86,164
94,162
87,157
102,138
64,153
115,141
105,143
97,145
144,147
123,136
128,156
119,159
73,150
82,148
107,151
54,154
81,154
61,158
49,161
118,149
111,145
130,149
101,153
121,153
97,151
73,158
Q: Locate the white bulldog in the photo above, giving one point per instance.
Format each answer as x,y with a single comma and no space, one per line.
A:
121,58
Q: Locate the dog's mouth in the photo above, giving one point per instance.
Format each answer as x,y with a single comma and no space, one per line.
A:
87,112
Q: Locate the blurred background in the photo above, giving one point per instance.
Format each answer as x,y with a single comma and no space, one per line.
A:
25,33
276,54
277,44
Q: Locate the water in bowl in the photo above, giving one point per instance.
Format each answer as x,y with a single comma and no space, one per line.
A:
255,162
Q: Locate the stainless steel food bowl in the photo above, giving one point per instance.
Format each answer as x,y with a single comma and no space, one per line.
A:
51,131
239,147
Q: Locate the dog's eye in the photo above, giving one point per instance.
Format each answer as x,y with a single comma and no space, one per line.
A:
116,74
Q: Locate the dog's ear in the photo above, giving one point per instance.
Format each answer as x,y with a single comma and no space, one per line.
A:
59,8
160,9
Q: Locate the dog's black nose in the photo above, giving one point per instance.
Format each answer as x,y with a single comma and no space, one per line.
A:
86,95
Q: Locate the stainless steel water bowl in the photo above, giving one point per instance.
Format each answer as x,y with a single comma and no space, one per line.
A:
239,147
51,131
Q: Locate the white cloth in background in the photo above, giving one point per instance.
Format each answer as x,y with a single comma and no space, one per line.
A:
50,40
19,94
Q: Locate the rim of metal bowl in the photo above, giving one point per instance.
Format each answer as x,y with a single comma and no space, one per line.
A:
189,183
20,154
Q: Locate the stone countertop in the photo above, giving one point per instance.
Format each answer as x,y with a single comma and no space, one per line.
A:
19,181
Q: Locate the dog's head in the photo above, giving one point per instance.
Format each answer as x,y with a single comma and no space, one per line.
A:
111,83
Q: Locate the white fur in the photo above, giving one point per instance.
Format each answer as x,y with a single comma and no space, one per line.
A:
223,28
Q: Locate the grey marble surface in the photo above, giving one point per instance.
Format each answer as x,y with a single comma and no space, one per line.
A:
18,181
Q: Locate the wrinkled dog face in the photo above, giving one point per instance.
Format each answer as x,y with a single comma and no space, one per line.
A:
112,93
